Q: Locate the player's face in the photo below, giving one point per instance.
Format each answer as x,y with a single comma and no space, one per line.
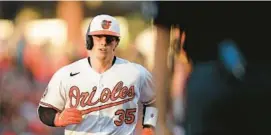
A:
104,46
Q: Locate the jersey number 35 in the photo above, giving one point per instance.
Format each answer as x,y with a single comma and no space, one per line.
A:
127,116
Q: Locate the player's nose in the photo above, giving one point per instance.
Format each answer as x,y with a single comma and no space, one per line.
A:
103,40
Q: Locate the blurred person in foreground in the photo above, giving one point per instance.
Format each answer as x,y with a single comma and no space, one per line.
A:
219,100
180,67
100,94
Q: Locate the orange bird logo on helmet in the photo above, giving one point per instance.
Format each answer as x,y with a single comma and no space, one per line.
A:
106,24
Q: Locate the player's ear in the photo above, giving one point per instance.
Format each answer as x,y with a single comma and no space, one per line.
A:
118,40
117,43
116,46
183,37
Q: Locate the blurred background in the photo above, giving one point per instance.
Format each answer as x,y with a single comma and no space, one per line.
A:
211,60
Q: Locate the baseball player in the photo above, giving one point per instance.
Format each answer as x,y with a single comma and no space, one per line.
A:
99,95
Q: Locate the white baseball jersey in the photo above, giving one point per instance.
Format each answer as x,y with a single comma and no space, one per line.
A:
109,100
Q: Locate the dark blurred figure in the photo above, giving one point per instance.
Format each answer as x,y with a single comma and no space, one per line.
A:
218,101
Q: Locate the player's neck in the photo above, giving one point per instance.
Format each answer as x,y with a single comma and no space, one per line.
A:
101,66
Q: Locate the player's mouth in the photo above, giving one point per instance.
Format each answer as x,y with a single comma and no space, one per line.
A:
102,49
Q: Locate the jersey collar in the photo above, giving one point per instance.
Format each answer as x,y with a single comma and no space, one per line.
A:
113,62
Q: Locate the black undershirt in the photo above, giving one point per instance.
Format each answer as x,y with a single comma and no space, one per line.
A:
47,115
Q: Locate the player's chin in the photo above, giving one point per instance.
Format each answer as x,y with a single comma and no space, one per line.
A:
101,56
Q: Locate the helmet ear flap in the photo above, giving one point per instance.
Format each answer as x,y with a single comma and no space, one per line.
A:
89,42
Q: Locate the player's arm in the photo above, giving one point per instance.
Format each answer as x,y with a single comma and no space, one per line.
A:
147,97
51,107
47,115
51,117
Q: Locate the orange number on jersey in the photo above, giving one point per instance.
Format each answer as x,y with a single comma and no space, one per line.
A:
121,114
127,116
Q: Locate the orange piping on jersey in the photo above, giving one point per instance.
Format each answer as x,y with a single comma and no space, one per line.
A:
101,107
50,106
150,101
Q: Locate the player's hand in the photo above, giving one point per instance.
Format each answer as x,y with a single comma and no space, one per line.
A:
67,117
148,131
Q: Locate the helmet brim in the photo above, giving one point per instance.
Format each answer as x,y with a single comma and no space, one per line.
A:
104,32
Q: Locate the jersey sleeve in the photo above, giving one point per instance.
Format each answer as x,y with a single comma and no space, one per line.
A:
54,94
147,94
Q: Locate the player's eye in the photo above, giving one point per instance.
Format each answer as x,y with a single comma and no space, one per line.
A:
110,39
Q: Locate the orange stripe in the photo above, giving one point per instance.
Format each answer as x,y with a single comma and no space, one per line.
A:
51,106
149,102
93,109
104,32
